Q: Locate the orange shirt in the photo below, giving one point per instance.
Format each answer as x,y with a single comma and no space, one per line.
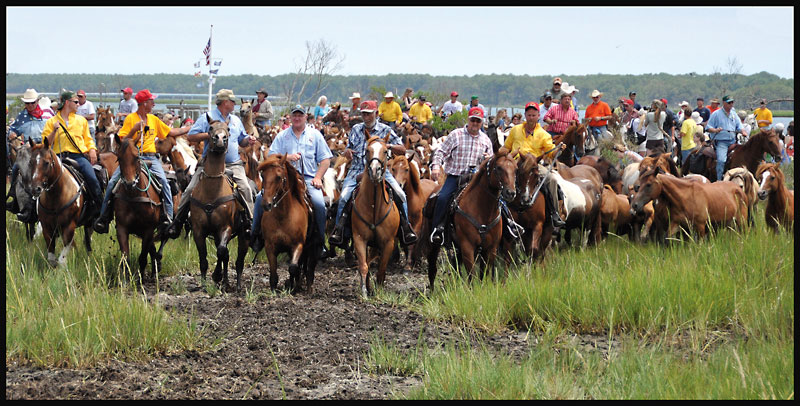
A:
711,108
601,109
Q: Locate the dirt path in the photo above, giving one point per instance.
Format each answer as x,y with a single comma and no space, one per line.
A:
297,347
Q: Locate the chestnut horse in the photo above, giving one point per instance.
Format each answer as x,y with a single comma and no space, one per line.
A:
751,153
608,171
214,209
747,182
376,218
692,205
574,137
615,210
61,201
137,205
528,209
105,130
287,223
780,200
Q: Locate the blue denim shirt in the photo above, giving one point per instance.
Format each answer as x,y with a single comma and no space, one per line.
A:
311,145
234,126
28,126
357,142
728,123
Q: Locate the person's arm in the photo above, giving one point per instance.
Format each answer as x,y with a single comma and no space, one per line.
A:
321,169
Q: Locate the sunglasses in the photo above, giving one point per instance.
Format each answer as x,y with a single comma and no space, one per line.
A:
75,101
80,95
476,120
30,102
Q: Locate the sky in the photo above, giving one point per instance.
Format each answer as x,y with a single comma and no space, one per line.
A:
461,41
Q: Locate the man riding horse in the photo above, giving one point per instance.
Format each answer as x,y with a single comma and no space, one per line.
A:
308,152
723,126
226,101
153,128
356,149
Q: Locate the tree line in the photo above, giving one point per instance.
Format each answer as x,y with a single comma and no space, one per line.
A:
492,90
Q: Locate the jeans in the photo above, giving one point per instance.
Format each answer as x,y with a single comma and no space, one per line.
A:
599,132
316,200
85,167
447,190
349,184
158,171
721,147
238,176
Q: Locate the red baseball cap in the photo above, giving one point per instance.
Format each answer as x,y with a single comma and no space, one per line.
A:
127,90
532,104
369,106
664,101
476,112
454,94
144,95
81,93
629,101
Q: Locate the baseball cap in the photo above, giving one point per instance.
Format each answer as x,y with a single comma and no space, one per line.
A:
557,80
532,105
369,106
629,101
297,108
226,94
127,90
700,98
81,93
727,99
715,100
476,112
454,94
422,98
144,95
664,101
631,93
696,117
763,101
684,103
474,97
548,95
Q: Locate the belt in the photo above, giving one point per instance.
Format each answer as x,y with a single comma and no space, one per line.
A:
152,154
237,163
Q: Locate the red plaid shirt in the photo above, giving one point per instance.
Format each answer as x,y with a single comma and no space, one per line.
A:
562,119
461,150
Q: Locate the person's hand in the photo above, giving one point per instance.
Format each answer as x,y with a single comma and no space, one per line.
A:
563,146
93,156
348,153
317,183
435,174
595,119
251,139
293,157
12,135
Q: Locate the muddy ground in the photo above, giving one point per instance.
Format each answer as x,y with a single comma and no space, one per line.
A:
279,346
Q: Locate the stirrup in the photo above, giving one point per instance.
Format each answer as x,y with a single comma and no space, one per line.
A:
438,233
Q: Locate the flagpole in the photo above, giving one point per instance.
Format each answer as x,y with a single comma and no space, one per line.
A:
210,82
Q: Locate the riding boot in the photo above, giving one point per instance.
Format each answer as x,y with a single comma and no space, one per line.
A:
256,241
408,236
337,236
552,208
174,229
13,205
101,225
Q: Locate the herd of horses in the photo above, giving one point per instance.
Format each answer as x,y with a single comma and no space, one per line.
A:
650,200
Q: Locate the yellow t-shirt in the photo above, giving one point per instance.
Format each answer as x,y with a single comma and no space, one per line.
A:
687,134
78,129
390,112
763,114
537,143
423,113
157,129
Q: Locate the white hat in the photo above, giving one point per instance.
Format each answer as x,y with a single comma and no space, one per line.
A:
355,95
684,103
30,96
388,95
696,117
567,88
596,93
779,127
44,102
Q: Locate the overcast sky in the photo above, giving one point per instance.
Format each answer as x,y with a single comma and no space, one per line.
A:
384,40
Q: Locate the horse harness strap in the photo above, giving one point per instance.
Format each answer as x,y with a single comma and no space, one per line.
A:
482,228
372,227
210,207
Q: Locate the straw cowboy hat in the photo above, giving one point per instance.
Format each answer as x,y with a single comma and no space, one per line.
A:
388,95
567,88
30,96
596,93
355,95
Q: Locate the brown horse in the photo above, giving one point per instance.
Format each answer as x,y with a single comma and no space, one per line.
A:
105,129
615,210
574,138
582,200
692,205
214,209
60,201
747,182
608,171
780,200
751,153
528,209
664,161
167,147
137,205
417,192
250,156
287,224
376,218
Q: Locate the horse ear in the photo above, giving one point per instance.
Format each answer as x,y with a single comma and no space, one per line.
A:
208,119
31,143
46,142
659,170
117,140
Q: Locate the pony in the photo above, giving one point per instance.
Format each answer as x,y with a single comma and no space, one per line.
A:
574,138
582,200
287,224
137,205
376,218
615,210
528,210
105,129
751,153
692,205
608,171
25,199
742,177
780,200
214,209
61,201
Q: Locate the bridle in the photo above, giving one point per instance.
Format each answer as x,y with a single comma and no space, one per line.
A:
278,196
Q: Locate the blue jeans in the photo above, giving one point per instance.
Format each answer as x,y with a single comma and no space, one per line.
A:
684,154
598,132
85,167
721,147
316,200
349,184
158,171
447,190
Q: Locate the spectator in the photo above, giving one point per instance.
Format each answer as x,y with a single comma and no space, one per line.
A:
263,109
619,110
714,105
322,107
548,102
310,121
782,140
639,130
789,140
654,123
681,109
355,111
406,101
500,119
686,135
723,126
390,112
562,116
556,89
87,110
127,105
597,115
473,102
571,90
746,128
420,112
669,126
763,115
452,106
704,112
632,96
516,119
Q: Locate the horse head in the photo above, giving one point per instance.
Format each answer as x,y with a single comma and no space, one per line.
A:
274,180
128,157
648,188
46,168
771,178
377,155
401,170
501,172
218,134
771,142
527,178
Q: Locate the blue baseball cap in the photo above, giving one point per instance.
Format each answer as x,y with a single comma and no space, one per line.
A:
298,108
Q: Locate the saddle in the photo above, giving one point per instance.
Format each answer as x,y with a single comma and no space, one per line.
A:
74,168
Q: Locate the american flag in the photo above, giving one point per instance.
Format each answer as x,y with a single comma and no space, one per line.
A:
207,52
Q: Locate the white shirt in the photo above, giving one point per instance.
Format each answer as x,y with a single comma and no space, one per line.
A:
87,109
450,107
128,106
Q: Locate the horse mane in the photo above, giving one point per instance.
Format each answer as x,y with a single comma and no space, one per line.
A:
613,172
774,168
526,162
293,177
673,167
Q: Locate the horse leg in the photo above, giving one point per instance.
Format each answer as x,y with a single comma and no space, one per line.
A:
87,237
240,256
294,268
386,255
147,242
433,254
68,238
202,252
272,258
221,270
363,264
122,238
468,259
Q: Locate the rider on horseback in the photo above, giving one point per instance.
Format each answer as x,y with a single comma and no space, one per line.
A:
306,149
153,128
459,154
723,126
530,137
226,101
357,144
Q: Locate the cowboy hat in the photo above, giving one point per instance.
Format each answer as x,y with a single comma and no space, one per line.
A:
567,88
596,93
355,95
388,95
30,96
262,91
